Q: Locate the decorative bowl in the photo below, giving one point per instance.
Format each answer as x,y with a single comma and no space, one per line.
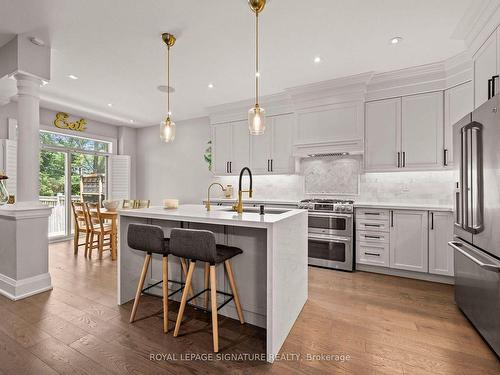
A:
110,206
170,203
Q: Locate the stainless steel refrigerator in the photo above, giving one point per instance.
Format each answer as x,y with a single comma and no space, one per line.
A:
476,145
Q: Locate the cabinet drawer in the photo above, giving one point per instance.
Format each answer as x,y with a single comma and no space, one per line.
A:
372,253
372,225
372,236
372,214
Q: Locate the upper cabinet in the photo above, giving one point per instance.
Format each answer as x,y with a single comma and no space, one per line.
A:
485,67
383,134
272,151
231,147
330,123
458,102
422,131
234,148
404,133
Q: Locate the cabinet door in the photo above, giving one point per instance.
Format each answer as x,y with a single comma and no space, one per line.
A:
440,233
458,102
382,134
282,138
241,147
485,66
422,130
261,149
222,146
408,240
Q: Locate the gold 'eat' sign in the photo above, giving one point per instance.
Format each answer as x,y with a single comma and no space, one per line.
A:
62,122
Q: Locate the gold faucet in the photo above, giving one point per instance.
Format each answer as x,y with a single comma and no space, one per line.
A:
238,207
207,205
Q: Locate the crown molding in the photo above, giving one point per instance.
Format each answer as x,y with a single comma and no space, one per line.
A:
339,90
480,20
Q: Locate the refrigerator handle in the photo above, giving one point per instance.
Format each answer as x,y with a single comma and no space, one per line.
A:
464,176
477,177
458,246
490,83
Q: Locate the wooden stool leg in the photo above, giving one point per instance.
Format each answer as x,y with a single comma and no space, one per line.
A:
140,286
185,271
207,277
230,276
75,240
165,293
213,300
184,298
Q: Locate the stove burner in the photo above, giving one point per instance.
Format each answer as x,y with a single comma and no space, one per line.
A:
328,205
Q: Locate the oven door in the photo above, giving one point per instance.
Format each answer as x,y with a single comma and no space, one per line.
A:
331,252
330,224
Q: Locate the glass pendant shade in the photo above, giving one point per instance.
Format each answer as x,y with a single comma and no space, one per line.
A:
167,130
4,194
256,120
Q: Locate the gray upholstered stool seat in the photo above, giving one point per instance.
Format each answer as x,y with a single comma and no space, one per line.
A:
200,245
151,240
225,252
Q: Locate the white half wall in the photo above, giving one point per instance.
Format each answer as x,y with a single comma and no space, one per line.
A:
174,170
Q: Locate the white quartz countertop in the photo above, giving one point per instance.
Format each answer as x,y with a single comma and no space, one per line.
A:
217,215
403,206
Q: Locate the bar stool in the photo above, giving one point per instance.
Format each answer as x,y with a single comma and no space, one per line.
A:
199,245
150,239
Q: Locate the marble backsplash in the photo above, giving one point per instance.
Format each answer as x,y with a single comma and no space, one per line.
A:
334,178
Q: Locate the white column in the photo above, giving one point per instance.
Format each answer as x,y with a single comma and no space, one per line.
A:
28,141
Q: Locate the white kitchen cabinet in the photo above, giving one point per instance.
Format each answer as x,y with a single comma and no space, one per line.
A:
458,102
485,66
422,131
409,240
382,134
330,123
231,147
272,151
440,233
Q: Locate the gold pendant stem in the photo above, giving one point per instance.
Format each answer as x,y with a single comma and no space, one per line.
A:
168,81
257,72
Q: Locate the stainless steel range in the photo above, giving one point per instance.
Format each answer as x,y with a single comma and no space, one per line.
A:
331,233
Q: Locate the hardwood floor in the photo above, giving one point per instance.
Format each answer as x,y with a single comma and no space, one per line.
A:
386,325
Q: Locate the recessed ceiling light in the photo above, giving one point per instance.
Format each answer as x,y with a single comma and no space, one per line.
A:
396,40
44,82
72,76
210,85
317,59
131,121
37,41
110,104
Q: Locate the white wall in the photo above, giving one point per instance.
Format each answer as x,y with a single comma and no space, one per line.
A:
173,170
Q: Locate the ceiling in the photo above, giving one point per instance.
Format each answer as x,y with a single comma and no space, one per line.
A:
115,49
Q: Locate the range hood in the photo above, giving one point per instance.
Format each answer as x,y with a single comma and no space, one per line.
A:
324,149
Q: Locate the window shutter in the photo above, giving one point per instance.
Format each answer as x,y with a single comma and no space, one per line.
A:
119,177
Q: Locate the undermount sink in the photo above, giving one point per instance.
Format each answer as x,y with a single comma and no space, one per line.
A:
267,211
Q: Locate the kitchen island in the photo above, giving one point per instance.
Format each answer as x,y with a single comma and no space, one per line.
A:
271,274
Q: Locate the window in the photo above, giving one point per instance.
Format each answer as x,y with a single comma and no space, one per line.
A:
76,143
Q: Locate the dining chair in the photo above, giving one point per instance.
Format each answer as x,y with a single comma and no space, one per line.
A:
80,226
100,229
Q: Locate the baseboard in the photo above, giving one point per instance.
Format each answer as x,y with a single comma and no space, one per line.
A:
19,289
408,274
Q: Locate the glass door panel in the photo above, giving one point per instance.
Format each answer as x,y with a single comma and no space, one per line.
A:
53,165
88,177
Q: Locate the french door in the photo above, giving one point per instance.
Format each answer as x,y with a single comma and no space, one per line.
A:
61,173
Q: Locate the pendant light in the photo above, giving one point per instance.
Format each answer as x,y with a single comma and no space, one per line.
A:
256,115
167,127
